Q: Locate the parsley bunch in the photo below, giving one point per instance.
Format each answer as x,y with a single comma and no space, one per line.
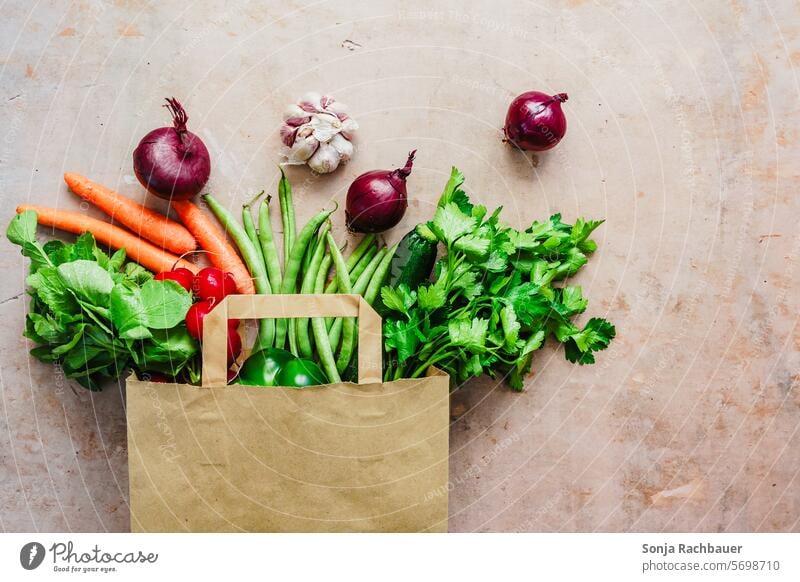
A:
492,303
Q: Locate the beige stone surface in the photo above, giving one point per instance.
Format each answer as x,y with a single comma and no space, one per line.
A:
683,134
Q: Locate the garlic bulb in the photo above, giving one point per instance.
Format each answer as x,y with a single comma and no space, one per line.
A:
318,131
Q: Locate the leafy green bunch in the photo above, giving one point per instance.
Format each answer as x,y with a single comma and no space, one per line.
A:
492,303
97,316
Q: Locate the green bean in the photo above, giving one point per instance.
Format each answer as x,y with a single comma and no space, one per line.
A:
287,215
322,276
358,288
266,327
292,335
363,247
324,350
318,326
362,264
310,250
379,278
345,286
342,270
288,221
309,281
354,275
292,266
287,242
252,233
349,334
267,240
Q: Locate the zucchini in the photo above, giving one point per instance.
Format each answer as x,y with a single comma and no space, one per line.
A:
413,261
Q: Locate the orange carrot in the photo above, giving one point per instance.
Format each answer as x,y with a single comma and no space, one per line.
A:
138,250
145,222
212,239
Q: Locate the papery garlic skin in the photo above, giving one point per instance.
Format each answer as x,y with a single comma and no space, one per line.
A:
318,131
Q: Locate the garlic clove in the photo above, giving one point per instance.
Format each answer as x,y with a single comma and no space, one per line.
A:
348,127
305,130
311,102
325,126
343,146
302,149
325,160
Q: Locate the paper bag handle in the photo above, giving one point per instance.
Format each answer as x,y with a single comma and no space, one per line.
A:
215,328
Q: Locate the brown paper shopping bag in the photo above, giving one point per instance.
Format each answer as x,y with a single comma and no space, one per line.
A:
370,456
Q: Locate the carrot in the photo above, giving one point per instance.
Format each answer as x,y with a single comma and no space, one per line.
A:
138,250
212,239
145,222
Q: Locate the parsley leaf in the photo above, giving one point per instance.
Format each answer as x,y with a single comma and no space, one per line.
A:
400,299
469,334
595,336
432,297
450,223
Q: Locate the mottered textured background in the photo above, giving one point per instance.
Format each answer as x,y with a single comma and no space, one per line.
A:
683,134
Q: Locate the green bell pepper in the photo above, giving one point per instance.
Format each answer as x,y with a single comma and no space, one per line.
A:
299,373
262,367
276,367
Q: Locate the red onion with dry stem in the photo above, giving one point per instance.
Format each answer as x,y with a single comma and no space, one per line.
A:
377,200
172,162
535,121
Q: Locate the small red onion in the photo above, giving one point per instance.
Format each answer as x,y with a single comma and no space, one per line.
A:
377,200
535,121
172,162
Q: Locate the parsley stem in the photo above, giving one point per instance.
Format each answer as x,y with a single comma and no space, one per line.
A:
431,361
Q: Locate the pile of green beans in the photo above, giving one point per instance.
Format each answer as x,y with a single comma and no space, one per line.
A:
309,255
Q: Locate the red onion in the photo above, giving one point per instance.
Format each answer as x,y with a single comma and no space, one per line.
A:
172,162
535,122
377,200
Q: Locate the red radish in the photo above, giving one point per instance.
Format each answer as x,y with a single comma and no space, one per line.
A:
535,121
195,317
212,284
172,162
183,277
377,200
234,345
